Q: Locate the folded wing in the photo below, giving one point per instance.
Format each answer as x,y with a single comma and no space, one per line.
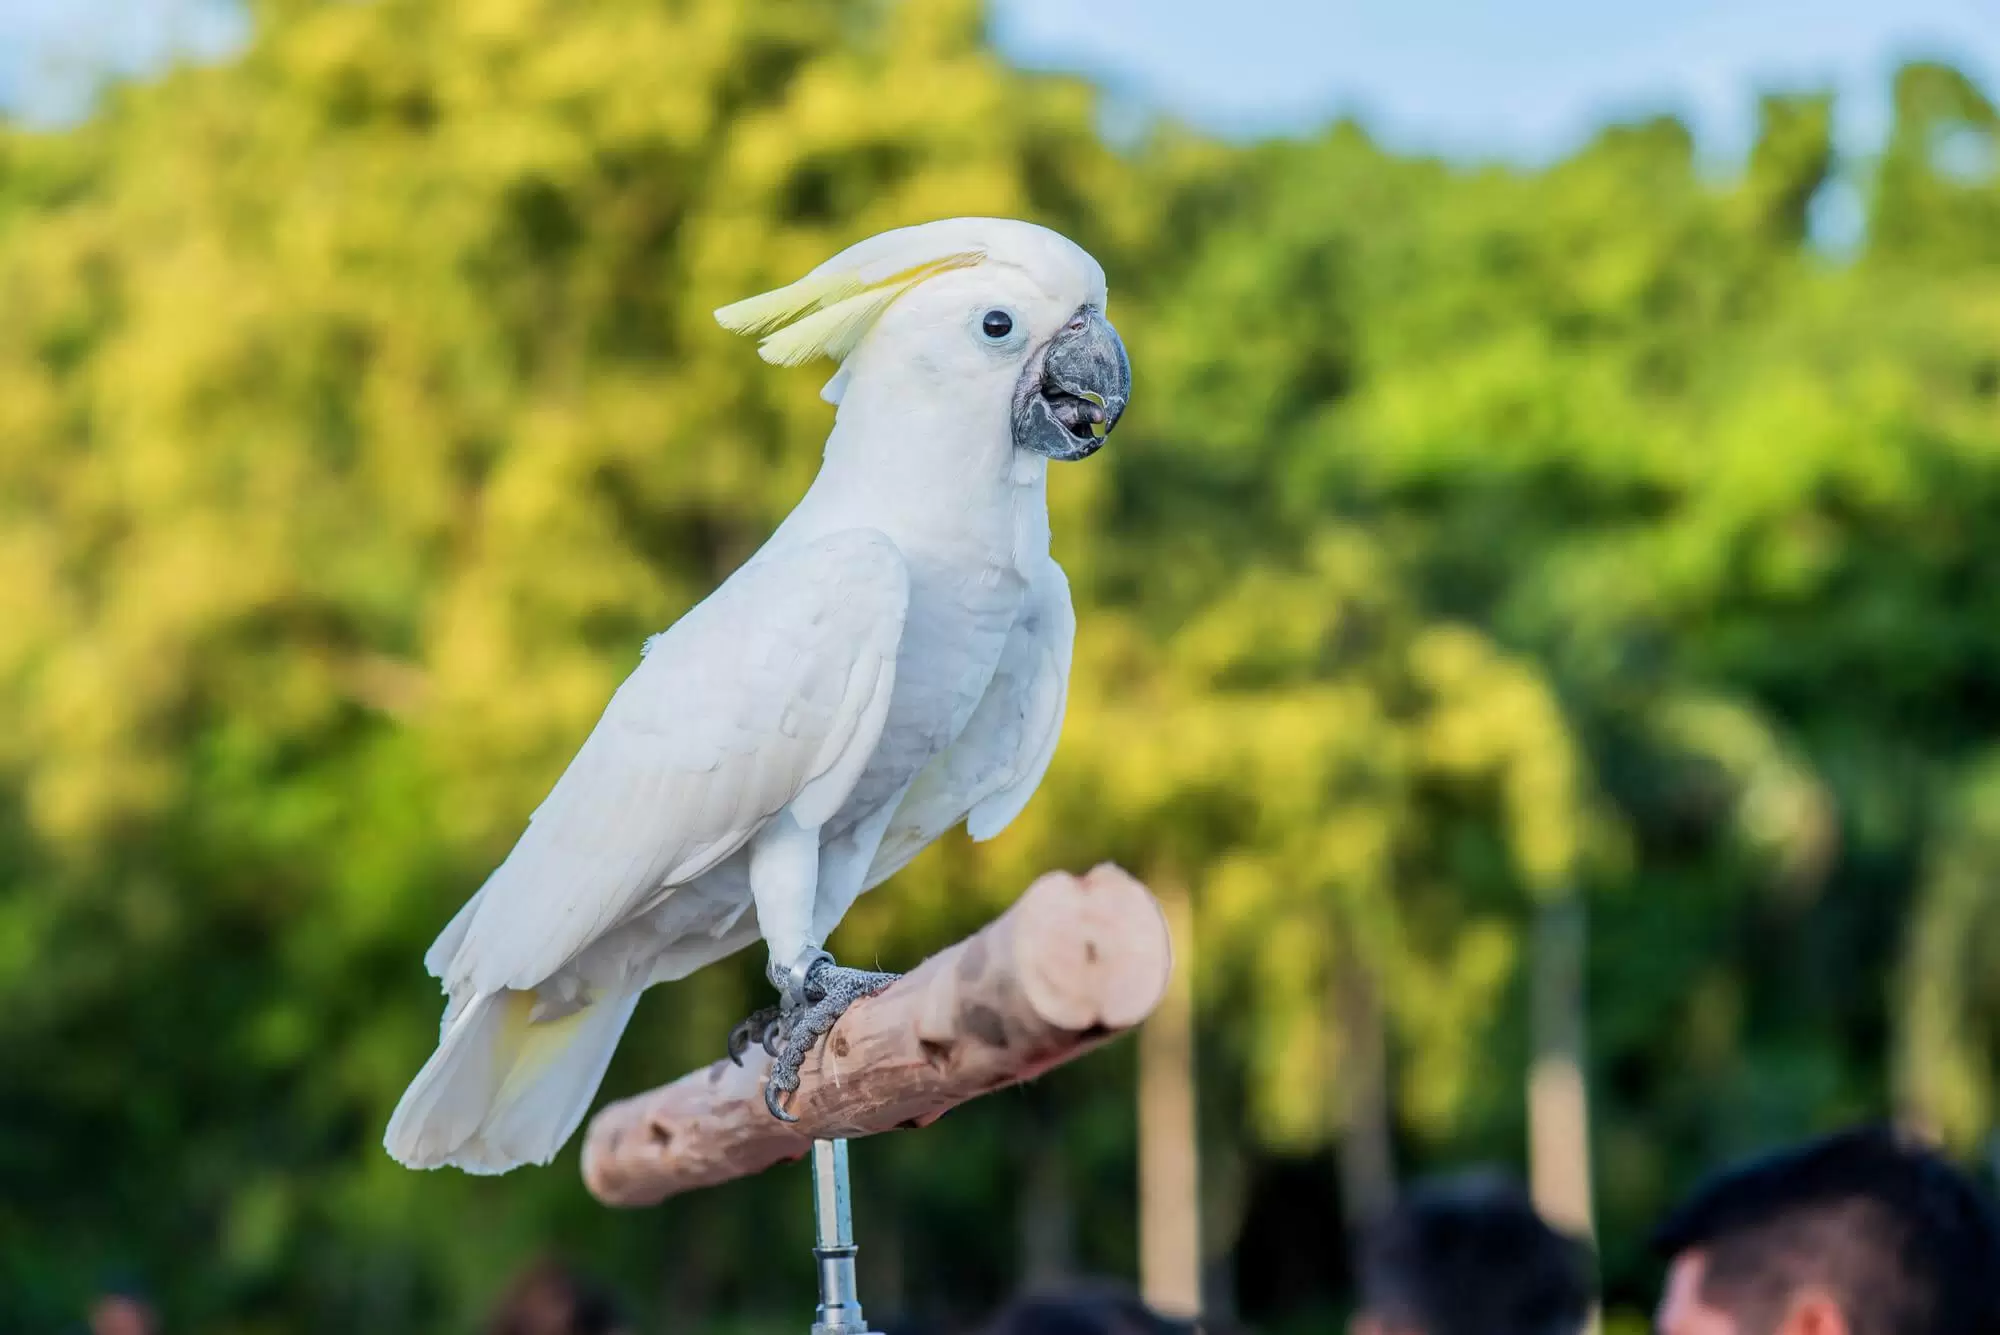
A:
770,693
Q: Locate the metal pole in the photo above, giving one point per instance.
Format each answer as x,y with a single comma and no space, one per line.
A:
839,1304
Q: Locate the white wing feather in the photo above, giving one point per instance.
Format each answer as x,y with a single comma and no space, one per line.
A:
770,693
988,774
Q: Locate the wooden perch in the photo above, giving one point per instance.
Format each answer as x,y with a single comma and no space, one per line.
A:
1075,961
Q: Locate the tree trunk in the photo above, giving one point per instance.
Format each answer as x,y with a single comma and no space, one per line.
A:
1366,1150
1169,1164
1558,1104
1225,1173
1047,1218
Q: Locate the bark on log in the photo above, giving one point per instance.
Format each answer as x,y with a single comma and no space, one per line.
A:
1075,961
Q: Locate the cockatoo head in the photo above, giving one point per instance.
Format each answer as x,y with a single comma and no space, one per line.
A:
999,317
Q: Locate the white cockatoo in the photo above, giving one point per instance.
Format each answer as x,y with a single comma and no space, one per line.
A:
894,660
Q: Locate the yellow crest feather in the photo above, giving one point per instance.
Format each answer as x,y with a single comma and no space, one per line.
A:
828,313
833,330
768,311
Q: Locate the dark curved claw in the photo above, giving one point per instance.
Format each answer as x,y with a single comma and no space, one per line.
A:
772,1091
764,1026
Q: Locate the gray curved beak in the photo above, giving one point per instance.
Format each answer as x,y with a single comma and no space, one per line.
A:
1072,393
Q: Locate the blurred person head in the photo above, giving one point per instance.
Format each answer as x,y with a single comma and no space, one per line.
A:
547,1299
1468,1255
1088,1310
122,1312
1862,1233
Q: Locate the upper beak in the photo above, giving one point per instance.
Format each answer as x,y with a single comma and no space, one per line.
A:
1072,394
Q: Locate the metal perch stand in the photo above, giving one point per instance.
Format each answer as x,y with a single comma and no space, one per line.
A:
1076,961
839,1311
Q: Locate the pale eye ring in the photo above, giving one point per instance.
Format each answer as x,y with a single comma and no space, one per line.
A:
996,324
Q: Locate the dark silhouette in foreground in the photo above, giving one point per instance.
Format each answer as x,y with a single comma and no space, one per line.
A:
548,1299
1087,1310
1468,1255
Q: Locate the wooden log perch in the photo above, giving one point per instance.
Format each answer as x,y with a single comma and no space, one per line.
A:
1076,960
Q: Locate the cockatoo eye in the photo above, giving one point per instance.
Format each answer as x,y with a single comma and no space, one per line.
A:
996,325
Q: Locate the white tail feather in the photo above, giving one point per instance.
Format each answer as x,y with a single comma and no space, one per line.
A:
503,1090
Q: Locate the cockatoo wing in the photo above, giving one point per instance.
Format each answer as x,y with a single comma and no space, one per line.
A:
994,766
771,693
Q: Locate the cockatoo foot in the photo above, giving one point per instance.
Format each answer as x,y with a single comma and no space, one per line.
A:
828,990
764,1025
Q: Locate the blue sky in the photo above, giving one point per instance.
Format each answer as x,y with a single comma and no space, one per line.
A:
1523,80
51,51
